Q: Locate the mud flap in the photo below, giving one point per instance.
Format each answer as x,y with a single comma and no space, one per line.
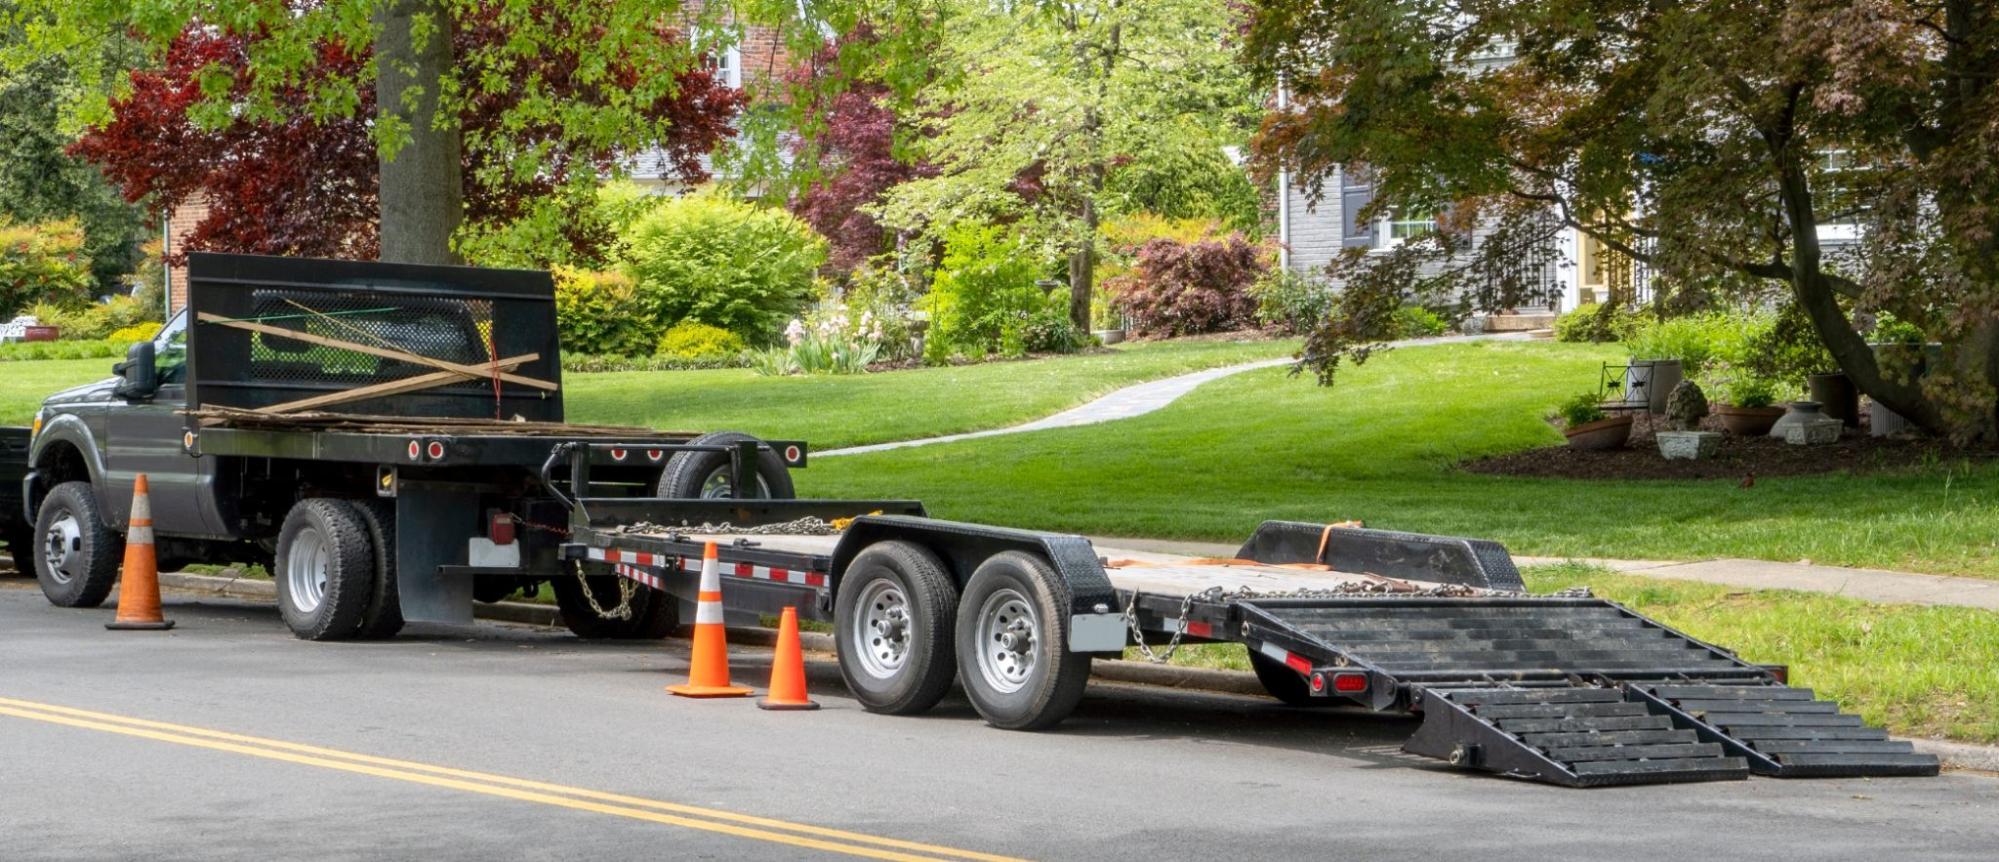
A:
433,528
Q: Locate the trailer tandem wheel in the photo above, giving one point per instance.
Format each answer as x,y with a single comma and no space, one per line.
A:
892,618
1013,644
325,569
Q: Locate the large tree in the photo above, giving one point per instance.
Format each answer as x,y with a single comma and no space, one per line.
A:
1710,140
421,86
299,185
1036,108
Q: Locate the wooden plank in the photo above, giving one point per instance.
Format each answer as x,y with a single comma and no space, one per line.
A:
474,372
379,390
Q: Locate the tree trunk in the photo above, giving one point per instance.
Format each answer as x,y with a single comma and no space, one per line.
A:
422,183
1083,269
1816,296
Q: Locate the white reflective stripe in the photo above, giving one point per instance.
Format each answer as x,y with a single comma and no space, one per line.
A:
140,536
711,577
707,613
1273,651
142,507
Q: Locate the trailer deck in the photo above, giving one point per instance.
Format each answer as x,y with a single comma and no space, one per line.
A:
1568,689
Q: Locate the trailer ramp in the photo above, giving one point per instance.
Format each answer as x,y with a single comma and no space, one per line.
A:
1575,691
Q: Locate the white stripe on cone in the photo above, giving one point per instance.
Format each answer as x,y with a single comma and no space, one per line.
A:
706,611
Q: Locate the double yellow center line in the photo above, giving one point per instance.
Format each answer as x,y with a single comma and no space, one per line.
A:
506,787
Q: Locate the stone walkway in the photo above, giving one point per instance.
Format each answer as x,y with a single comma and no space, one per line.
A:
1136,400
1873,585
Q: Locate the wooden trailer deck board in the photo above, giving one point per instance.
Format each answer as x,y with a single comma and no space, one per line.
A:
1160,574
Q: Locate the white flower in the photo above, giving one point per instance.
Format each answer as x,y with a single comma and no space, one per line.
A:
795,332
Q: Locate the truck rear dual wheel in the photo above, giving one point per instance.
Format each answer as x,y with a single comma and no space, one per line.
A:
325,569
76,557
1013,644
892,618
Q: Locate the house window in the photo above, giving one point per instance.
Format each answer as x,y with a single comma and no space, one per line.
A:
1401,226
729,67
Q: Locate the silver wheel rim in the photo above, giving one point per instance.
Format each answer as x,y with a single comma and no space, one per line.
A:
306,565
718,486
1009,641
61,545
880,633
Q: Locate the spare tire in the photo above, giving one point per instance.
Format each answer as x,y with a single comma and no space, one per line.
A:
706,475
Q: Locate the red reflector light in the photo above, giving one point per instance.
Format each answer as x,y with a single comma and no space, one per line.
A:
1318,682
1349,683
435,450
502,530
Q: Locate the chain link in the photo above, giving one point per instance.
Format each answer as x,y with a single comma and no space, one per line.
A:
626,589
806,526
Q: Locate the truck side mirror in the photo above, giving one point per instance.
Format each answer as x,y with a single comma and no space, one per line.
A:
140,379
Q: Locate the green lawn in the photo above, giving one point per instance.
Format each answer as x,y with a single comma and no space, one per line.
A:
24,384
1919,671
825,411
1380,446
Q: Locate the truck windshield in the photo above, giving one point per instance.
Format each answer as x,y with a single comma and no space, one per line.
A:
170,351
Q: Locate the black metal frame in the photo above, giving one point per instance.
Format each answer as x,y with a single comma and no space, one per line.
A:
589,515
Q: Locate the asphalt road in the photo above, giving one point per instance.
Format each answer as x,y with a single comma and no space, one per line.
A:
1137,774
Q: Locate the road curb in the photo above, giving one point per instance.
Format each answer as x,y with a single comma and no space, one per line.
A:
1955,755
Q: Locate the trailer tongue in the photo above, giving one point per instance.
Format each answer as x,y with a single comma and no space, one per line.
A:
1567,689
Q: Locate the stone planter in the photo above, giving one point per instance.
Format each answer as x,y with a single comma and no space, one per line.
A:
1815,431
1835,391
1747,421
1647,382
1610,433
1798,411
1109,336
1689,445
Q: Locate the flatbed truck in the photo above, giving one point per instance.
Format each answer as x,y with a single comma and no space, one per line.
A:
420,506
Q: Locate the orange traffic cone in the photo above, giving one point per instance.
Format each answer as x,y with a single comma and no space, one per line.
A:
787,668
139,583
709,672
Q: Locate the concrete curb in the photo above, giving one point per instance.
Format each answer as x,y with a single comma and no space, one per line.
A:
1955,755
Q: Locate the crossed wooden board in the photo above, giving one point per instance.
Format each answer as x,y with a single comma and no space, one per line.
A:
447,372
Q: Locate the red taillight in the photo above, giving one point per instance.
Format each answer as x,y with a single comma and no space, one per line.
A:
435,450
1349,683
502,529
1781,671
1318,682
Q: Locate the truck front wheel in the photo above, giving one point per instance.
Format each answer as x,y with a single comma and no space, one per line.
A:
76,555
325,569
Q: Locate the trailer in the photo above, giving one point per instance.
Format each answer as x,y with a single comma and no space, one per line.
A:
1568,689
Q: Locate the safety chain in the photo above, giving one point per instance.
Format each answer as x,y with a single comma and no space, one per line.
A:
1179,631
546,528
625,592
806,526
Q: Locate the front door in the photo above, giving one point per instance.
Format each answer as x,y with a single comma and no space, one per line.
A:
144,436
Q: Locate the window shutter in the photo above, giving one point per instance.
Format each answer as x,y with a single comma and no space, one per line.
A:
1355,193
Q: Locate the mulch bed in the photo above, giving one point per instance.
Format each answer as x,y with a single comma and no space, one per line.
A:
1739,458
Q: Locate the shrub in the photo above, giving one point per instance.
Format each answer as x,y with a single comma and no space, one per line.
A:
1697,339
1580,410
596,314
984,291
97,321
1601,323
1787,348
1049,330
1186,289
583,362
16,351
42,262
1415,321
690,339
1739,386
1291,301
883,297
726,263
134,334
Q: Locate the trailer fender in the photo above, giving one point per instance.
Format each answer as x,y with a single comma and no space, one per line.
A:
1096,623
1412,556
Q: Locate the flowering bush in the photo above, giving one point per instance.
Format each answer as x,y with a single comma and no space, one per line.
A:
1188,288
694,340
831,339
134,334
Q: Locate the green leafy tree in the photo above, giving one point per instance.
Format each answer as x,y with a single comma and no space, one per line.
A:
1069,112
420,87
39,181
1709,140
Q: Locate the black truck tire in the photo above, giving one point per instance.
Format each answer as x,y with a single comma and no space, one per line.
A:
1013,644
21,548
325,569
695,475
71,529
382,617
1284,683
892,628
654,614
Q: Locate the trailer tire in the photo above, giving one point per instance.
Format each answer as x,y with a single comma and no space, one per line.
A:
906,588
1284,683
654,614
1013,644
383,616
77,559
699,475
325,569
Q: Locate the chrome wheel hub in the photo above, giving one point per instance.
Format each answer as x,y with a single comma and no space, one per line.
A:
880,633
306,567
1009,633
62,548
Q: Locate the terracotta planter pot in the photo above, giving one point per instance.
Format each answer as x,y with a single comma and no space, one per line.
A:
1748,421
1610,433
